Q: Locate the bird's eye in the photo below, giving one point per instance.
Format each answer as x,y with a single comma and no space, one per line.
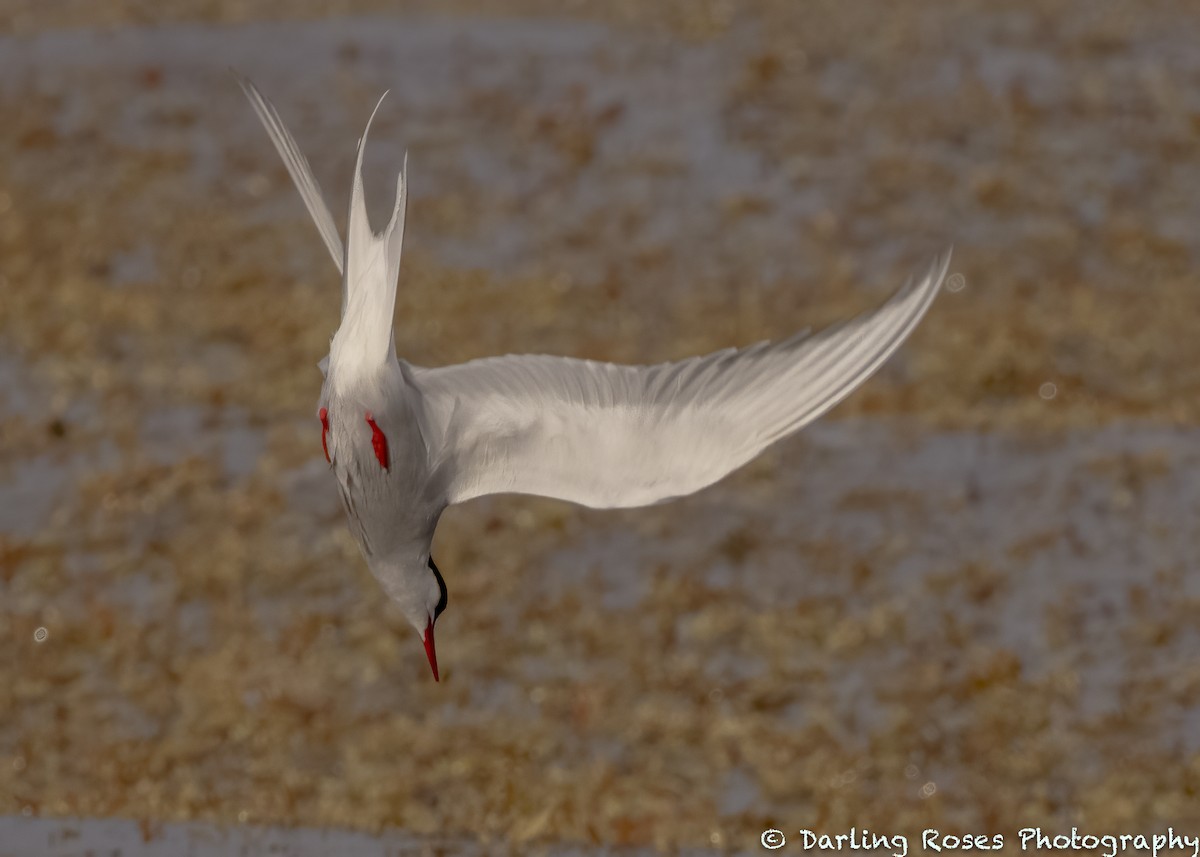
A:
441,605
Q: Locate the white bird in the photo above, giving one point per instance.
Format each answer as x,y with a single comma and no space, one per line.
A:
404,442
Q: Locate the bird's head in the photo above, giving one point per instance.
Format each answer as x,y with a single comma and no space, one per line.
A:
420,592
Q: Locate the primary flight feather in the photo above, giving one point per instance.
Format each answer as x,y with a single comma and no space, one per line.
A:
404,442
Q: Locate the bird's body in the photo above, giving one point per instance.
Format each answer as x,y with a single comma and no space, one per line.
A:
375,477
404,442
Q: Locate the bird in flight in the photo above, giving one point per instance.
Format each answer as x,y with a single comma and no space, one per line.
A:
405,441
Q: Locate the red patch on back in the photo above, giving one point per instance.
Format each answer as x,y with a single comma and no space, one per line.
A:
324,415
378,442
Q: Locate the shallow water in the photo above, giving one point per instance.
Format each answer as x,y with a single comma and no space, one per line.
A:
958,602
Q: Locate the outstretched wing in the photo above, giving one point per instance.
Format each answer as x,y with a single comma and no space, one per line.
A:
608,436
298,168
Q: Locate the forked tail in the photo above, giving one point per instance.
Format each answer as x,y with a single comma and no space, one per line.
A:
365,338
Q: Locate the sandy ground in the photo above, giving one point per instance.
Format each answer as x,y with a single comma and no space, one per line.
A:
966,600
47,837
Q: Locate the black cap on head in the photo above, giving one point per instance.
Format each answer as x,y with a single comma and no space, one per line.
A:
441,605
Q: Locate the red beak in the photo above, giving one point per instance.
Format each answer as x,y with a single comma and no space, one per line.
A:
430,652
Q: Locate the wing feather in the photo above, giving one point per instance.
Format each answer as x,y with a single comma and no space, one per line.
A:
300,171
605,435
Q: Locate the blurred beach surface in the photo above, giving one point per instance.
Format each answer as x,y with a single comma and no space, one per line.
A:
966,599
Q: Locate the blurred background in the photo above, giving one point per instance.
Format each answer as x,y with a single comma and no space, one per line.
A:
967,599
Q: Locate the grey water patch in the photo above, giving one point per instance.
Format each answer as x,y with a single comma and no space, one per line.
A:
240,450
28,494
611,566
168,435
310,490
20,392
134,266
32,485
740,792
30,488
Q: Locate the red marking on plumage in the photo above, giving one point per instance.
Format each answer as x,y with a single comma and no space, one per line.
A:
378,442
324,415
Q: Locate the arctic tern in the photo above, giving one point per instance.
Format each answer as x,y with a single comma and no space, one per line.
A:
404,441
